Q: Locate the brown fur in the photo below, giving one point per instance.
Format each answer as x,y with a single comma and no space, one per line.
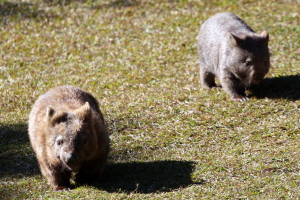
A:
68,135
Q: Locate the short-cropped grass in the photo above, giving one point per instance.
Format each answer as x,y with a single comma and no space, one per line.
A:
170,138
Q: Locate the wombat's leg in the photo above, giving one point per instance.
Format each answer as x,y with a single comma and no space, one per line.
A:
61,181
207,79
85,176
58,180
234,88
90,171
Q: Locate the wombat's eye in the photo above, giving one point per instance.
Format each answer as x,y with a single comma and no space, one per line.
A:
59,142
84,140
248,62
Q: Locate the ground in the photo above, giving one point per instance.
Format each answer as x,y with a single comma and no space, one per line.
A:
170,138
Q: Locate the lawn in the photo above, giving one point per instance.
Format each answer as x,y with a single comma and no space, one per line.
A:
170,138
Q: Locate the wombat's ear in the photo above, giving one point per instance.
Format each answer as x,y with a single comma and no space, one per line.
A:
50,112
84,112
235,39
265,35
54,116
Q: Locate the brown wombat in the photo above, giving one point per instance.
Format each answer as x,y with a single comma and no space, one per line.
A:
229,49
68,135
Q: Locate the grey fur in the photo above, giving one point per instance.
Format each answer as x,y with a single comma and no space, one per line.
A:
229,49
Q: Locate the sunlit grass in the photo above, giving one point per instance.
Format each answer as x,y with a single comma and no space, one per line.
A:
139,59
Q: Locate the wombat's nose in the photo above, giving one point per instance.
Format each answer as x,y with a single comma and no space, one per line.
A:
71,158
257,78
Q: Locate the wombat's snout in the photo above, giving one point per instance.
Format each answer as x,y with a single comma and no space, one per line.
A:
71,158
257,78
72,162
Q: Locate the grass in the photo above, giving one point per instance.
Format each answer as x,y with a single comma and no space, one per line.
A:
170,138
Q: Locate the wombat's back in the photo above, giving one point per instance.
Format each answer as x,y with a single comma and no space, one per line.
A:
213,37
65,96
222,23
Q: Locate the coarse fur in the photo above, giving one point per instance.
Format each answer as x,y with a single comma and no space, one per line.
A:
229,49
68,135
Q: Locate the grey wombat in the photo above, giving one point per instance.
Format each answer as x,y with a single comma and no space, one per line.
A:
229,49
68,134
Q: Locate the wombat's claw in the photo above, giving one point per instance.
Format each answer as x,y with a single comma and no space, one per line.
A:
59,188
243,99
240,98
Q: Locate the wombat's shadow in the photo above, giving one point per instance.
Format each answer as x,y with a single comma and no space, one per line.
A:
18,160
118,4
16,155
111,4
283,87
24,10
146,177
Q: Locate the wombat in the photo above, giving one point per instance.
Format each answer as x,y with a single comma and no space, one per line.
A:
68,135
229,49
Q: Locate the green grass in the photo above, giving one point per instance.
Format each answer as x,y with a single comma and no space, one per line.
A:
170,138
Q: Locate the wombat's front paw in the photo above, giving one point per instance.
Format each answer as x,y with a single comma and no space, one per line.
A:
239,98
209,86
59,188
